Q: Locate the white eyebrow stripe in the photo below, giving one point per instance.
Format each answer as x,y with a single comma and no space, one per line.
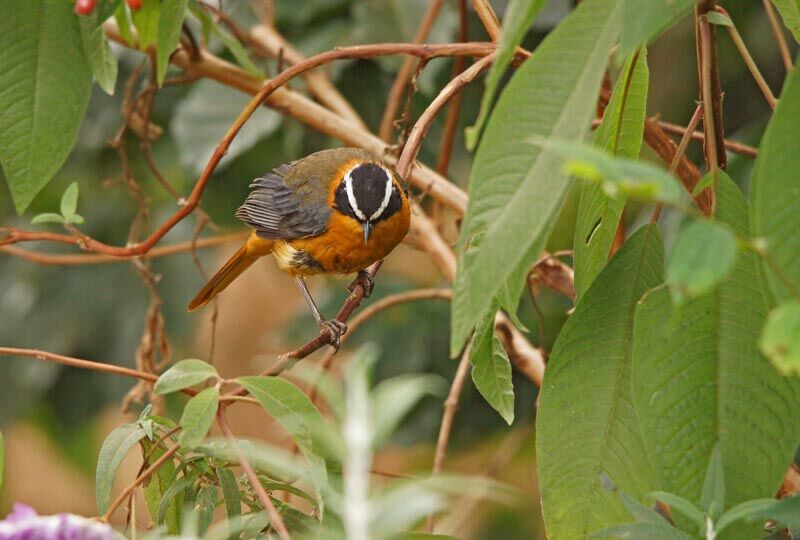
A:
351,197
386,196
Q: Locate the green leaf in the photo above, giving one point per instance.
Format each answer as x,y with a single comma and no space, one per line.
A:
393,398
517,19
620,133
2,458
422,536
698,380
786,511
618,177
204,115
69,201
145,20
715,17
645,21
292,409
238,50
682,505
704,253
642,531
184,374
98,51
230,492
639,511
170,24
746,511
790,12
586,425
780,339
198,415
45,80
124,23
114,449
76,219
47,217
516,190
204,504
712,498
491,371
174,496
775,212
707,181
157,485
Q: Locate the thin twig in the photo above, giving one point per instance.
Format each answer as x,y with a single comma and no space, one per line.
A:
450,408
488,18
732,146
404,74
275,519
78,362
710,90
748,61
780,38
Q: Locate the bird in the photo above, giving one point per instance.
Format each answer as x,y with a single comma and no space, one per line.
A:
335,211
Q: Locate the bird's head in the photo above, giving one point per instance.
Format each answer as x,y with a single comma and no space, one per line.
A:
368,193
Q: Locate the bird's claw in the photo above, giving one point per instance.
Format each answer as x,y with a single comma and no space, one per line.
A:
364,278
335,329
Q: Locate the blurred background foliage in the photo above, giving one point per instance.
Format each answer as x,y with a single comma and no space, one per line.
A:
97,311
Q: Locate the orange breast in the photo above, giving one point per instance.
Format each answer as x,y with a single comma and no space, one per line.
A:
341,249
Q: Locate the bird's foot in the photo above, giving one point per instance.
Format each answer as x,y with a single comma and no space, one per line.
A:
364,278
335,329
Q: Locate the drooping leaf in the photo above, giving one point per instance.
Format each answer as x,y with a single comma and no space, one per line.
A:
645,21
790,12
184,374
517,20
292,409
780,338
174,495
775,211
114,449
698,380
98,51
157,485
586,425
69,201
204,504
145,19
704,253
169,33
620,133
45,81
203,117
47,217
198,415
516,189
491,369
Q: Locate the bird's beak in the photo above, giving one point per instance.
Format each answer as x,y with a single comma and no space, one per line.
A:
367,229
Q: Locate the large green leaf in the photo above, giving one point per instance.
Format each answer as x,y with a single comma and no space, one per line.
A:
620,133
790,11
586,426
44,90
699,380
198,416
170,24
114,449
517,20
516,189
644,21
775,212
780,339
184,374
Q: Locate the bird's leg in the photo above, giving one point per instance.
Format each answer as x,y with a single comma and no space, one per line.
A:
334,327
364,278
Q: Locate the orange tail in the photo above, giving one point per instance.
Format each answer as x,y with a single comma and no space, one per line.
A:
252,249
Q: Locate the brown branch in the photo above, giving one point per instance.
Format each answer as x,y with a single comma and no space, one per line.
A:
404,74
732,146
710,88
275,519
450,408
488,18
780,38
79,363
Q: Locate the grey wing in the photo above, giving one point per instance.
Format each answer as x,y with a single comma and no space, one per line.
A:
276,211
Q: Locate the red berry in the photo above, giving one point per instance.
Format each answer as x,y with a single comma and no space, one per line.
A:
135,5
84,7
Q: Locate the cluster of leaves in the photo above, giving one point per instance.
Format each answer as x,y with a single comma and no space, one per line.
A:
326,483
661,361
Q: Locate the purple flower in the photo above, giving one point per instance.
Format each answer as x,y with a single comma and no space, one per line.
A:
24,524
